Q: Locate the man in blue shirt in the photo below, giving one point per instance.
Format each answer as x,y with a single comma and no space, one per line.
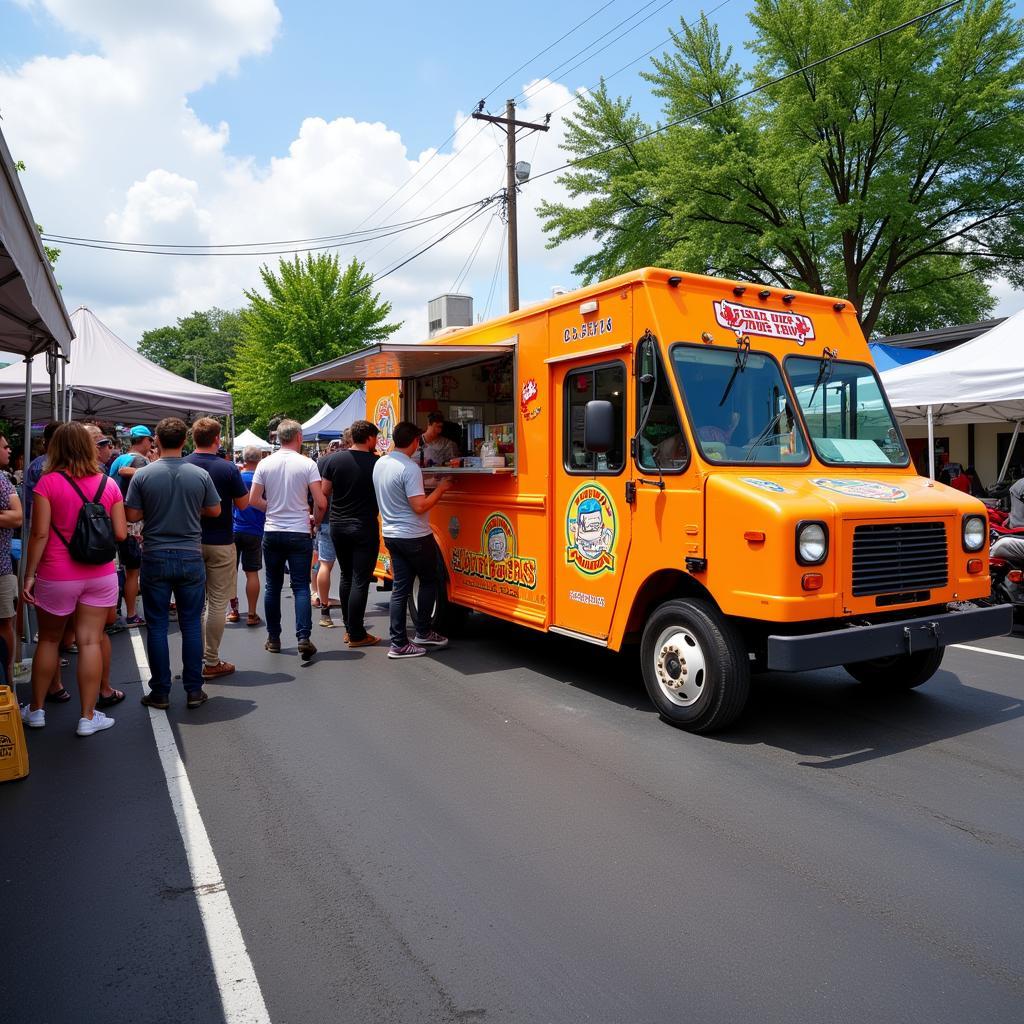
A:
129,551
249,523
218,541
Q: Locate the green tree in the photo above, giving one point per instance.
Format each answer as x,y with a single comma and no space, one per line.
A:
200,346
52,252
892,175
311,311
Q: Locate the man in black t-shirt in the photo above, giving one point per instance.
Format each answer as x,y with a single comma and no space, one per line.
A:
354,524
218,541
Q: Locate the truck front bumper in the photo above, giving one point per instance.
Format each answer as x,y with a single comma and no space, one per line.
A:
886,639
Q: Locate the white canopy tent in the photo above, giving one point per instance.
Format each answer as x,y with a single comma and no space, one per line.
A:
332,423
108,379
319,414
247,439
981,381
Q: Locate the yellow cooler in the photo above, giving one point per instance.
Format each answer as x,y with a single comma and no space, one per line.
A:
13,752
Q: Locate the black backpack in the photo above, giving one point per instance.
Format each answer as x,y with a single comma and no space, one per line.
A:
92,542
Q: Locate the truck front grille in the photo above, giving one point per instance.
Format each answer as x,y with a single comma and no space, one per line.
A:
898,557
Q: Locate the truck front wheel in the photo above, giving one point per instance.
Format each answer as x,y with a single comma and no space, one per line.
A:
695,666
899,672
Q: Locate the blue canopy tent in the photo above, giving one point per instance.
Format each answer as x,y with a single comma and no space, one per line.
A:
888,356
333,422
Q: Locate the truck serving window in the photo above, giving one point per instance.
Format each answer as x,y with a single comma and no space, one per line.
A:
846,412
738,405
607,382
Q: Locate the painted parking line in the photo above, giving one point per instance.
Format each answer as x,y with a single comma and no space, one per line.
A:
240,993
988,650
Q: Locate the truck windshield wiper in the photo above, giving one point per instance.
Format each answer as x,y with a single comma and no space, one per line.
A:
825,369
742,355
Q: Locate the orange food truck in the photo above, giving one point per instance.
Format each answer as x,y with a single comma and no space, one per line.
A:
707,468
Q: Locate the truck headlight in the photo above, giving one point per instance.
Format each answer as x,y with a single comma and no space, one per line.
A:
975,532
811,543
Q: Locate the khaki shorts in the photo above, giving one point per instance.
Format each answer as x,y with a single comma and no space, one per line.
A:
8,596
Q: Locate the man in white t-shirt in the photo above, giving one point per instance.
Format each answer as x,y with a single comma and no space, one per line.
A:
281,487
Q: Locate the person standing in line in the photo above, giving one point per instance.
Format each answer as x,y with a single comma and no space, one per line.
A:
64,586
324,555
35,469
218,541
354,525
398,483
108,695
129,554
10,520
281,485
249,523
171,497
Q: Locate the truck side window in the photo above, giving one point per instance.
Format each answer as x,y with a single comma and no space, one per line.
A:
661,444
607,382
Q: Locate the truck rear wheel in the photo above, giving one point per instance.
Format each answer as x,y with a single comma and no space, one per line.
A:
899,672
447,617
695,667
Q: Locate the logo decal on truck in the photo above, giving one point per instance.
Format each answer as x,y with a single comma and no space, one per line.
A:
496,566
765,485
873,489
590,530
384,418
527,395
769,323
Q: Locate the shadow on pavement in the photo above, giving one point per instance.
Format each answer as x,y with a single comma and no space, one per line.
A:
250,677
216,709
829,715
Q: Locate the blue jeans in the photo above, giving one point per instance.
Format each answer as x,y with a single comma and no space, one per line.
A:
296,551
183,574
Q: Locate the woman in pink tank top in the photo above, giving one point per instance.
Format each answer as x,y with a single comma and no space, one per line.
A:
60,586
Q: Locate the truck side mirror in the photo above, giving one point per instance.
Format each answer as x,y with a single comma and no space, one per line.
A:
598,426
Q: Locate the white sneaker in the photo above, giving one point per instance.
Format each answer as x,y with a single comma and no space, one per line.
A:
33,719
432,639
98,722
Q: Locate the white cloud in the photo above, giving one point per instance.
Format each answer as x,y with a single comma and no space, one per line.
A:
115,151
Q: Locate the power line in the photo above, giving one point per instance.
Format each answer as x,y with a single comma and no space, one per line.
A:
348,238
465,121
471,258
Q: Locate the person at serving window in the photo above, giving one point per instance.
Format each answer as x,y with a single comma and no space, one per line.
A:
435,448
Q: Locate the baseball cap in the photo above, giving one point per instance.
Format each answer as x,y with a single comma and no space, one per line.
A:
140,431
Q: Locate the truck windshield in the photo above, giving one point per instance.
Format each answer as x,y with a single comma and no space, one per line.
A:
740,410
846,412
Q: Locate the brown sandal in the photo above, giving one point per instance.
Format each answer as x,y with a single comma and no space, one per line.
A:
253,620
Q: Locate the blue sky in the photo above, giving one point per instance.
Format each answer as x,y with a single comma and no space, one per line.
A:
232,120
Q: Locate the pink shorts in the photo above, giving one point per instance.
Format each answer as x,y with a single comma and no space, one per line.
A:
59,597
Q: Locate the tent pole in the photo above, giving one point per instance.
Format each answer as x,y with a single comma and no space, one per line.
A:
931,448
231,428
1009,453
24,525
52,369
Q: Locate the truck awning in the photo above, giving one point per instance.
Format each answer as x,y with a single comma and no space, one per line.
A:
396,362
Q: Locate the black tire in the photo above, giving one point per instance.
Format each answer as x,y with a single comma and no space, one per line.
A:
448,617
706,691
900,672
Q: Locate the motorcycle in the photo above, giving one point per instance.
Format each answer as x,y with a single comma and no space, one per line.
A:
1006,565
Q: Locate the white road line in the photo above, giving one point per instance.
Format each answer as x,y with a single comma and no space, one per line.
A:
239,988
988,650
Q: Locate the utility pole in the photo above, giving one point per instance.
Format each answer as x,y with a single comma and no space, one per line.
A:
511,124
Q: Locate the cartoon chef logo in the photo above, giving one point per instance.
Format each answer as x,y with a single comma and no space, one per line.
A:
497,561
590,531
873,489
384,418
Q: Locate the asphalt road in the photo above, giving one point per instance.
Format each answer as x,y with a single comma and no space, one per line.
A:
506,832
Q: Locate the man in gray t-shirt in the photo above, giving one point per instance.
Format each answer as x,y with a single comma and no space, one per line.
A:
398,483
171,496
